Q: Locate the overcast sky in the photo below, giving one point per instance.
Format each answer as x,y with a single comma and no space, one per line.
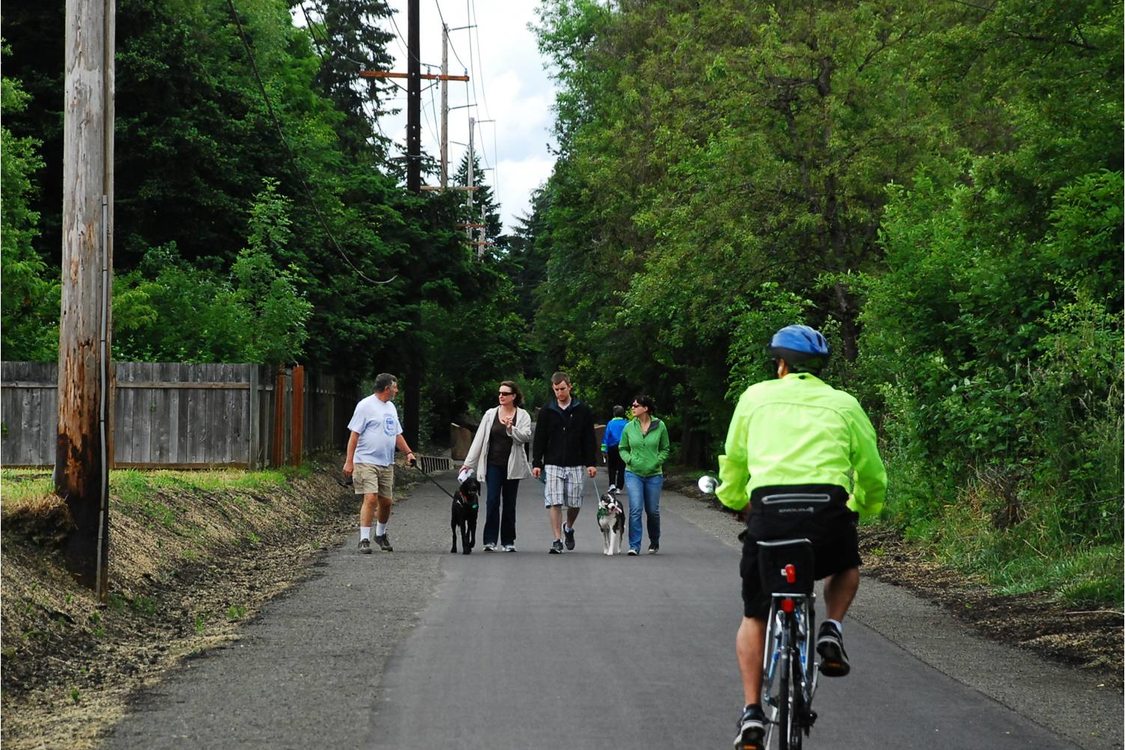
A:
508,85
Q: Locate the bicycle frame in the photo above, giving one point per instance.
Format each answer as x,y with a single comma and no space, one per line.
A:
789,669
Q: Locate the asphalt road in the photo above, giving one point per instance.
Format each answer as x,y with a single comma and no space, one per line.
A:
419,648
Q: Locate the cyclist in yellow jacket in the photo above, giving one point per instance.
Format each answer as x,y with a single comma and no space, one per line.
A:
798,438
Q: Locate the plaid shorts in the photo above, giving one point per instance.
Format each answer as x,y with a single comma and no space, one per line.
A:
564,486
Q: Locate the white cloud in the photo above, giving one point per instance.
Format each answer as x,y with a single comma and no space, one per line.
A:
517,179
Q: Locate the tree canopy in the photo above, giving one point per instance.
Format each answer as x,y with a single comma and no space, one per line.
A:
937,187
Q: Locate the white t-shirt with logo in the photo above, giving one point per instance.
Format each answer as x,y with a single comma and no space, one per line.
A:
377,423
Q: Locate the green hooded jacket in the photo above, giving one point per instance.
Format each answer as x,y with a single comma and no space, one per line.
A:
644,455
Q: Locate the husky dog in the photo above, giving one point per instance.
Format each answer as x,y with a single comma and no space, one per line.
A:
611,520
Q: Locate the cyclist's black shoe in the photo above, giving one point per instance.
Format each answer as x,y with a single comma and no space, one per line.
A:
830,646
751,729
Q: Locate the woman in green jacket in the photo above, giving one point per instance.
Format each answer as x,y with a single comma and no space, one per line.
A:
644,448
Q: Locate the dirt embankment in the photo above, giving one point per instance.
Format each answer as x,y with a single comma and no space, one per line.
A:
186,568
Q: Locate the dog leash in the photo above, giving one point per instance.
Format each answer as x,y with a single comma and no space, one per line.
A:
427,476
611,486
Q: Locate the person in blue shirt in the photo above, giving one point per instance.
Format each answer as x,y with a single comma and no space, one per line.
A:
611,442
374,434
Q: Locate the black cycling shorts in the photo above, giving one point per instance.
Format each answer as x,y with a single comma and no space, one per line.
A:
817,512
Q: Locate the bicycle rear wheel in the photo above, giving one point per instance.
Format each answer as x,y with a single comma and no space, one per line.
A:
785,703
792,729
790,695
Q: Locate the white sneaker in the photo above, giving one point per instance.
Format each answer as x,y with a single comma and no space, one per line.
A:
490,547
509,548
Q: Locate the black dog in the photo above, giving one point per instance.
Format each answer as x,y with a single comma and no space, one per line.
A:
463,514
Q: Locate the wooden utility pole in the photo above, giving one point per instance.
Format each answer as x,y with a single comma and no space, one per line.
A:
82,447
470,179
444,106
413,100
483,241
414,75
413,397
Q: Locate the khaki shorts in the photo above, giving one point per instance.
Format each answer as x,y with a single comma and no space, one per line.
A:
372,479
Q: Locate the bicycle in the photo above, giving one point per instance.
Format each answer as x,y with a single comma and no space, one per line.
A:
789,669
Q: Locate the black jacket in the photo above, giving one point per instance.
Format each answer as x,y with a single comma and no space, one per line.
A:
564,437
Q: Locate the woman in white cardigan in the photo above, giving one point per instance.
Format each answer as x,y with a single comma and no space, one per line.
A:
498,454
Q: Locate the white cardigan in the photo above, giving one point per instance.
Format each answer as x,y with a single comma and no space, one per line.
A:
520,432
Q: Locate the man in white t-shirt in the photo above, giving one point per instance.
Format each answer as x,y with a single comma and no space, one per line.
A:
376,432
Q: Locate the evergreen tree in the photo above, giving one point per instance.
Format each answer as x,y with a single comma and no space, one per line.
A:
477,203
348,40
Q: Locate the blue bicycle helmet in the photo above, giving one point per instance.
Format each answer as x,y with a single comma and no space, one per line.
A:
803,348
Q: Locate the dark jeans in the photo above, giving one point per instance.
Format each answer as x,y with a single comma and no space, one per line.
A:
616,467
501,491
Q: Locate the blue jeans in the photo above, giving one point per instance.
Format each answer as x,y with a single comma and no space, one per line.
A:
499,488
644,494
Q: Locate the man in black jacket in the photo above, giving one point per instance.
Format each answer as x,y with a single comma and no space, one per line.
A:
564,443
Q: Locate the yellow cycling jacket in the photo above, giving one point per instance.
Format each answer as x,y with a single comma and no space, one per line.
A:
800,430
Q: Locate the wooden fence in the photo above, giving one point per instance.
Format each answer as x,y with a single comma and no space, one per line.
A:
184,415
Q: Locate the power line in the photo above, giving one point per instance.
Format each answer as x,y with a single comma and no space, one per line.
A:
496,168
473,76
402,41
292,157
441,16
326,45
480,72
431,113
474,29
